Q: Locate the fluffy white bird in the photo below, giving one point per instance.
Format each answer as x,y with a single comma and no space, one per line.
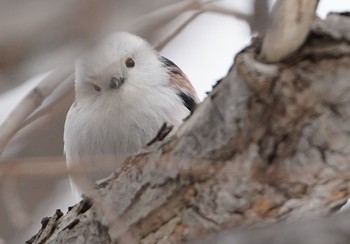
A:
125,91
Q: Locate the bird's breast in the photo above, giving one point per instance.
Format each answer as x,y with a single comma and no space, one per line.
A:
117,132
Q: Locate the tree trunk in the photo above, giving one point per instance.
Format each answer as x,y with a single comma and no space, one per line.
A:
270,142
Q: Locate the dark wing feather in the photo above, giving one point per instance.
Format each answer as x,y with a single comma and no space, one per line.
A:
181,84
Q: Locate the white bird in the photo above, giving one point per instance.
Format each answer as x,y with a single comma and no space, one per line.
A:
125,91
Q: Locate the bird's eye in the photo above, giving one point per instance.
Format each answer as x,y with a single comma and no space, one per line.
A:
129,62
96,87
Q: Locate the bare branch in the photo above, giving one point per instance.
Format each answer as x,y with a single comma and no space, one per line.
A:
33,167
290,24
160,17
30,103
65,90
204,7
179,29
226,11
49,166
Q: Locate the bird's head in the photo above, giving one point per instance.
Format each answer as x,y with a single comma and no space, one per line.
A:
122,65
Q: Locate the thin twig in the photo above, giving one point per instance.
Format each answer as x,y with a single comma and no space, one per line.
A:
179,29
204,7
226,11
160,17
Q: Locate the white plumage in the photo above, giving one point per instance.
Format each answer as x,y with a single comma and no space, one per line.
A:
125,91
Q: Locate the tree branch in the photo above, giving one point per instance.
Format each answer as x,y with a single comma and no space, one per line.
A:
290,25
269,143
178,30
30,103
325,230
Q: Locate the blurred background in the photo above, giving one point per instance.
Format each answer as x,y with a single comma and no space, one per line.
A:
39,39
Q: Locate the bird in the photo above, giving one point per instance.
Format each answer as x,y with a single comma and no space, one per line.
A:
124,92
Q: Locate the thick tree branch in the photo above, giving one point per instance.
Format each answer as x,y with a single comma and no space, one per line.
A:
269,143
320,231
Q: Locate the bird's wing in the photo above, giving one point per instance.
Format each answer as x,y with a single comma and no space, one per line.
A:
181,84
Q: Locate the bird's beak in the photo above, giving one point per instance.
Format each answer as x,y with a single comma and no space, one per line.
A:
115,82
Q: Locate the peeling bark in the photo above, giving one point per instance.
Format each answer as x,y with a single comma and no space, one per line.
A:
269,143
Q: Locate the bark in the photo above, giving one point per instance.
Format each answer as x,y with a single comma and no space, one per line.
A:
324,231
269,143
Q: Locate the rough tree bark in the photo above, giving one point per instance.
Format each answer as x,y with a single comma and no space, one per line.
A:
271,142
